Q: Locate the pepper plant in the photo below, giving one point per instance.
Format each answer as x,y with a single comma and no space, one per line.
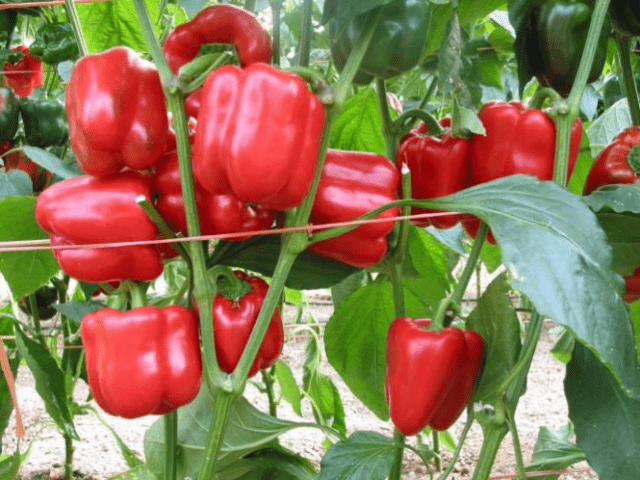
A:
356,146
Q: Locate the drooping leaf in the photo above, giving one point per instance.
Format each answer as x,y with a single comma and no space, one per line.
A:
9,465
14,183
554,450
288,386
141,472
50,162
607,422
602,131
76,310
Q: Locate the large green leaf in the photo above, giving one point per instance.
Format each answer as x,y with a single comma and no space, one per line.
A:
24,272
607,422
50,162
345,9
15,182
363,456
557,255
602,131
555,451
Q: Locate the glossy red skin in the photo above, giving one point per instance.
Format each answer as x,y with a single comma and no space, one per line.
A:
87,210
426,374
219,214
217,24
258,135
25,75
611,165
233,322
439,166
352,184
518,140
144,361
116,111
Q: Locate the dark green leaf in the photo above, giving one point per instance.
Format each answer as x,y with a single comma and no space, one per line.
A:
607,422
49,381
602,131
272,463
9,465
558,256
346,287
261,254
363,456
288,386
25,272
449,55
76,310
496,321
347,9
15,183
50,162
142,472
554,450
358,125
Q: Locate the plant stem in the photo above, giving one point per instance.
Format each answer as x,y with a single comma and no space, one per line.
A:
35,314
304,47
276,10
517,449
493,437
396,468
72,13
267,378
388,130
163,228
170,421
223,401
436,449
456,454
68,457
630,89
250,5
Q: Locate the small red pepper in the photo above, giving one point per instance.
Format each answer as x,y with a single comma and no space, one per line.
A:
352,184
258,136
233,321
142,362
92,210
25,75
439,166
116,111
430,375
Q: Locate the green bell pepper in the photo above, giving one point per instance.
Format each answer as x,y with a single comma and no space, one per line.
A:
396,44
9,111
55,43
45,122
8,21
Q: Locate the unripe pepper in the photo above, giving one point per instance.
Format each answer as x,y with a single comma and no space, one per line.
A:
24,75
92,210
430,375
116,112
142,362
258,136
45,122
55,43
9,114
352,184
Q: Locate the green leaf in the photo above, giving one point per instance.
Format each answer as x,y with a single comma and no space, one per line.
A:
141,472
248,430
346,287
24,272
9,465
288,386
15,183
607,422
496,321
467,118
49,381
76,310
346,9
363,456
261,255
558,256
109,24
555,451
602,131
272,463
449,55
581,168
361,321
128,455
358,125
491,257
50,162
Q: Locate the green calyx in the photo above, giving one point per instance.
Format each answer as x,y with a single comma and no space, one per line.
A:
228,284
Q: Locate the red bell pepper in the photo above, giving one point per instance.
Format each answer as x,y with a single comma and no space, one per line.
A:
352,184
258,135
439,166
218,213
430,375
92,210
233,321
518,140
25,75
116,111
144,361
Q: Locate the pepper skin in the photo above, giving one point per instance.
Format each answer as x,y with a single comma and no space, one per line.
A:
142,362
45,122
116,112
258,135
55,43
24,75
518,140
439,166
561,29
430,375
9,114
233,321
88,210
396,44
352,184
625,17
219,214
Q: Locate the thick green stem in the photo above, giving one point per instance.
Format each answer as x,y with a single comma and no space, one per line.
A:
456,454
68,457
267,378
630,90
564,124
35,314
517,449
163,228
223,401
427,95
396,468
170,421
304,48
72,13
388,128
436,450
250,5
405,121
493,437
276,11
